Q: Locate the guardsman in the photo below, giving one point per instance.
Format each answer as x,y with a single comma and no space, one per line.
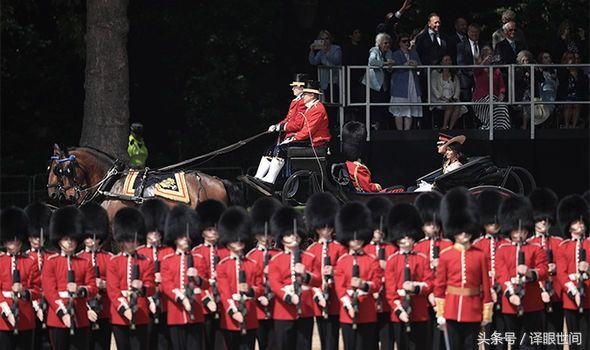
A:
209,213
431,244
95,234
320,212
462,285
408,279
572,265
39,215
292,274
154,212
382,250
489,203
521,266
184,278
357,277
68,282
19,282
544,203
130,282
261,212
240,281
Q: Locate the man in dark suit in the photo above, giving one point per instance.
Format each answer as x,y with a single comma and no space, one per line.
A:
459,36
431,44
467,52
507,49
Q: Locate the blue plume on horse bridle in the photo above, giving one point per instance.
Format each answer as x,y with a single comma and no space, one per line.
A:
71,158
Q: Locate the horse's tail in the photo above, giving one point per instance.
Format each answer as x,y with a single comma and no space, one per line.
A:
235,195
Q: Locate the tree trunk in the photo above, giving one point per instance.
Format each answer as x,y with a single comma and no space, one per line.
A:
106,106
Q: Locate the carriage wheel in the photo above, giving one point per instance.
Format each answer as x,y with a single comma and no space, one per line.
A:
526,178
504,192
291,194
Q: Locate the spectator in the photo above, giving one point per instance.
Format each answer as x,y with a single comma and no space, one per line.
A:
323,53
507,49
459,36
405,86
573,86
389,26
522,85
467,52
431,45
481,93
445,87
380,56
565,41
354,53
547,81
499,35
136,148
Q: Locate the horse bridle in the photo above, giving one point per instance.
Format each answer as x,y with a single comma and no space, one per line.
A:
68,172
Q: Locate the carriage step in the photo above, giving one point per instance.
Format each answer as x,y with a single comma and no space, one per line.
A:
258,185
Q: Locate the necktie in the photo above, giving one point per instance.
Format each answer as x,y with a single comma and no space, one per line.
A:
513,44
475,49
435,39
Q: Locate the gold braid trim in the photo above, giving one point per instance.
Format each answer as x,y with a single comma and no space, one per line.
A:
440,307
488,311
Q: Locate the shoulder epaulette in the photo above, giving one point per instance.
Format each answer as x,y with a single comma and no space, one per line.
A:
422,255
52,256
224,260
557,238
447,249
116,256
311,245
371,255
168,256
308,253
343,256
250,252
505,245
277,256
564,241
141,247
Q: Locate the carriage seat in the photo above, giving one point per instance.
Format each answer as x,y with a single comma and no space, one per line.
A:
304,158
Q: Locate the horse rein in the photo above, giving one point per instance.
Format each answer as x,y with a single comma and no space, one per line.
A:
68,172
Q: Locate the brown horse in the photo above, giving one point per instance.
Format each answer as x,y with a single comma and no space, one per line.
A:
75,175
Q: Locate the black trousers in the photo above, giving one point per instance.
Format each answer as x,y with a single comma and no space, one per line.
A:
436,342
41,336
416,339
385,330
328,330
127,339
497,325
22,341
462,335
363,338
100,339
234,340
159,336
60,338
578,323
554,323
213,339
523,326
189,336
294,335
265,334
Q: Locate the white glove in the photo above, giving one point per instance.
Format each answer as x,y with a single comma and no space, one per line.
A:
441,321
287,140
273,128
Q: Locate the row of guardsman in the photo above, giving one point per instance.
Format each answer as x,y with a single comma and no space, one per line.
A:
425,276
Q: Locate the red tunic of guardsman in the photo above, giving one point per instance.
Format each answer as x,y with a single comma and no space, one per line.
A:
257,255
426,246
211,255
320,250
550,245
99,260
294,120
315,123
569,275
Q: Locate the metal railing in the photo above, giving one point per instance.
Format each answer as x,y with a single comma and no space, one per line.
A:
344,93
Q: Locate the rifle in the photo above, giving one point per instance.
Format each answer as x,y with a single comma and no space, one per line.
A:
242,303
214,288
71,306
326,287
189,291
15,296
407,302
379,300
133,294
519,289
581,257
94,303
296,283
157,297
549,283
267,291
355,294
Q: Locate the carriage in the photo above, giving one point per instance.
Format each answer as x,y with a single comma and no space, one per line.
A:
309,172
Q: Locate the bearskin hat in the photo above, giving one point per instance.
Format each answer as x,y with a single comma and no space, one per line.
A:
320,210
514,213
459,213
283,222
39,215
129,225
544,202
96,221
14,224
489,204
66,222
354,137
154,212
379,207
353,221
181,220
261,212
209,212
428,205
404,221
235,225
570,209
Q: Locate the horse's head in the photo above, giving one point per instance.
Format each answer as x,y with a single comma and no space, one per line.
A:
65,177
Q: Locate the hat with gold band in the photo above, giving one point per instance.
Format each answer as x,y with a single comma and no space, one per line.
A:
445,140
299,79
313,87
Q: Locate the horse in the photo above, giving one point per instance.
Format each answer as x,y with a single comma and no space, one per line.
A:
75,176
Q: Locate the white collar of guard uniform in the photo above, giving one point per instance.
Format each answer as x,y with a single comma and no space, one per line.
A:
311,103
